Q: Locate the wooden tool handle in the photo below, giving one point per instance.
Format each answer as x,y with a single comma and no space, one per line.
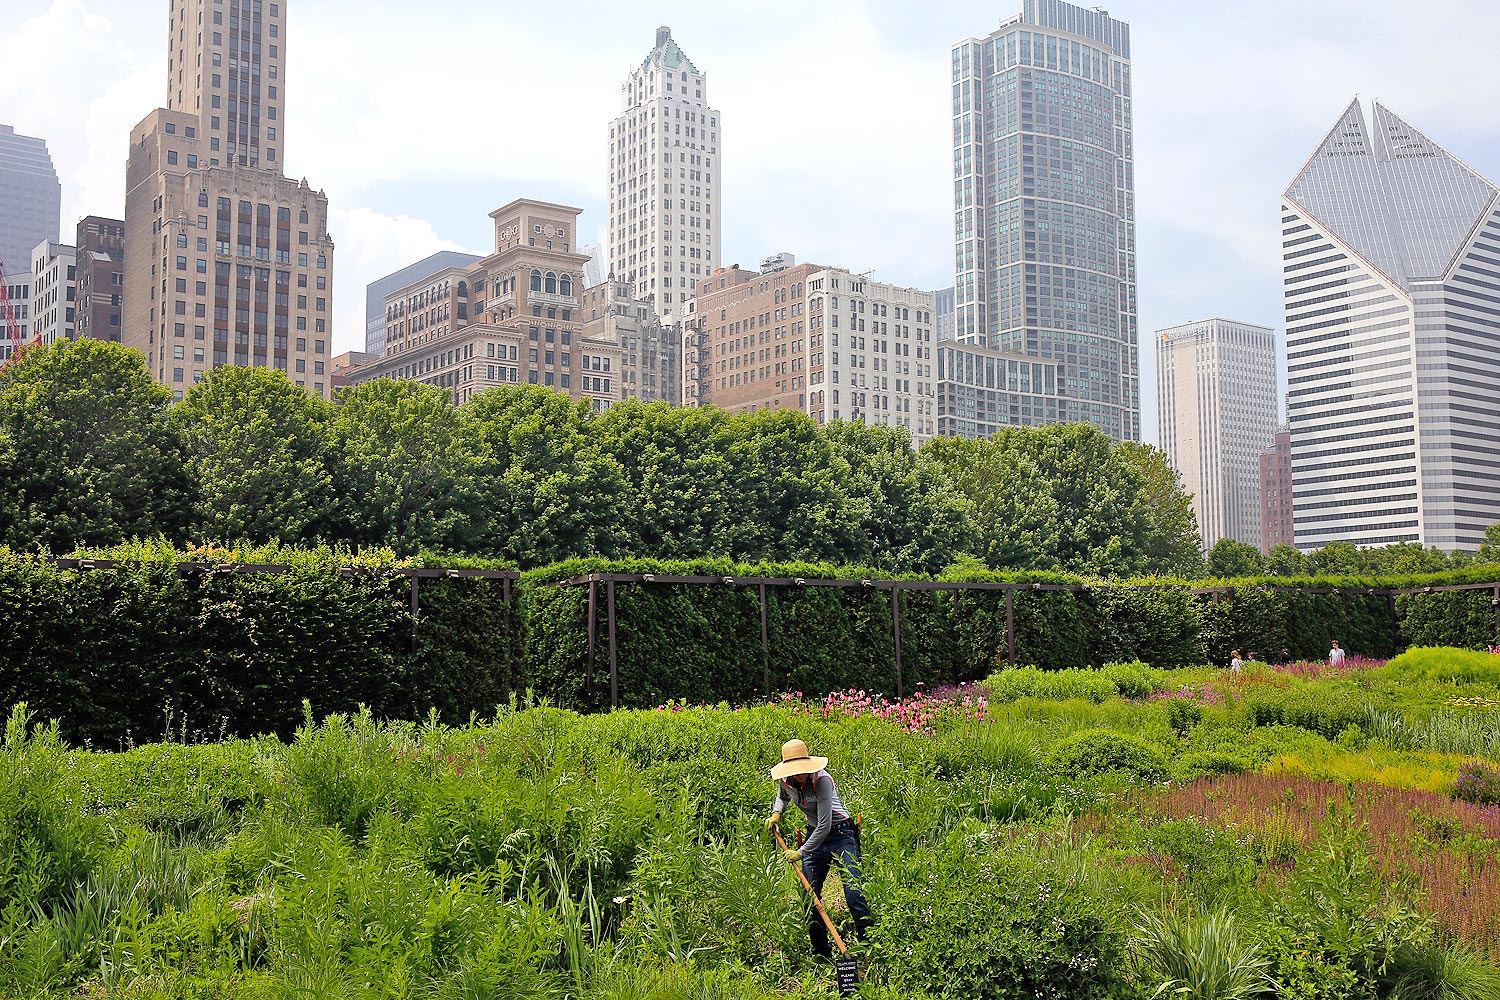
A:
843,948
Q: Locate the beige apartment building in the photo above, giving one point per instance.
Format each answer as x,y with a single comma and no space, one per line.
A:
513,318
227,261
651,350
825,341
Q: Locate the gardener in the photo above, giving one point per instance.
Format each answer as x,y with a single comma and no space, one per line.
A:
831,834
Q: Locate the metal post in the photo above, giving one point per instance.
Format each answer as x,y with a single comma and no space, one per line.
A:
588,663
416,610
1010,628
614,662
765,647
1390,601
896,633
1495,603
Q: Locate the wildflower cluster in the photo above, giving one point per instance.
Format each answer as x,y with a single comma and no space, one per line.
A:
917,713
1313,669
1198,694
1477,783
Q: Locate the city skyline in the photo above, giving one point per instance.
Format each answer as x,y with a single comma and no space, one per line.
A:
1224,110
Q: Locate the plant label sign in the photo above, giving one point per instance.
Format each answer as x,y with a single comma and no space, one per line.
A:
846,974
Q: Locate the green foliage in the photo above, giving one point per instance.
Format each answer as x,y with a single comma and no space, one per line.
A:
1323,707
1446,665
1229,559
1104,751
255,446
1053,685
990,920
87,454
1202,959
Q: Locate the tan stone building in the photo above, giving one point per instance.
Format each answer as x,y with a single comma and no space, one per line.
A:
227,261
822,340
513,318
651,350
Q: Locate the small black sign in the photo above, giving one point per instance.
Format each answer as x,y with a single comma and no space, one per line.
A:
846,974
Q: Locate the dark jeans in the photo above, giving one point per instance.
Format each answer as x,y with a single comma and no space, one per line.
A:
841,844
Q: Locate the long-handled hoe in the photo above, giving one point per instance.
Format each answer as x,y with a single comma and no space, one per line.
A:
845,969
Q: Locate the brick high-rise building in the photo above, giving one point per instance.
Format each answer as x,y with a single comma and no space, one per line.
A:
822,340
101,277
1276,526
227,260
512,318
664,165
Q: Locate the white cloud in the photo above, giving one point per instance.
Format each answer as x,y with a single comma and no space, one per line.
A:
370,245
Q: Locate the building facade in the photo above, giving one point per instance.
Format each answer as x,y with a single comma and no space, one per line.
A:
30,210
981,391
54,292
664,166
377,291
227,260
512,318
651,351
827,342
1044,204
1216,409
1391,261
101,277
1276,524
942,300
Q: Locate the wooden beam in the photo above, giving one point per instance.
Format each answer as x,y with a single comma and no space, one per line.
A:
614,662
896,635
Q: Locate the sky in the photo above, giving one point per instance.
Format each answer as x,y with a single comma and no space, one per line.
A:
836,129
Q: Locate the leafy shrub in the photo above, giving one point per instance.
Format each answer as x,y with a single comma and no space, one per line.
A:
1202,959
1183,714
1099,751
981,919
1325,708
1477,783
1050,685
1133,680
1446,664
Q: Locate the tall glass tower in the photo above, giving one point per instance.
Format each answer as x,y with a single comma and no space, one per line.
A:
1391,270
1044,204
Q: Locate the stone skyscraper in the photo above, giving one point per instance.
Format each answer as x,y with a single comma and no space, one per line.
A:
1391,261
1216,411
227,261
1044,204
664,218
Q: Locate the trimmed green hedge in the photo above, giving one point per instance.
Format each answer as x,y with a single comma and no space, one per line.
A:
138,652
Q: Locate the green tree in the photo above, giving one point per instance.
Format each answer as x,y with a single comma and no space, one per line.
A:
1015,517
912,517
1336,559
1229,559
1489,549
1173,547
88,456
1285,560
404,476
255,446
545,491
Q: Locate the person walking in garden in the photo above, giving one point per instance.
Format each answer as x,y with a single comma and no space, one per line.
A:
831,834
1335,655
1235,663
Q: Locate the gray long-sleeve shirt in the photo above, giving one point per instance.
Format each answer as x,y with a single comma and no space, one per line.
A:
820,803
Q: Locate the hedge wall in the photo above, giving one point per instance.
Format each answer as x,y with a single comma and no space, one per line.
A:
139,652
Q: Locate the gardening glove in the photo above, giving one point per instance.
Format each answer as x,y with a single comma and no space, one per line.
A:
774,821
791,855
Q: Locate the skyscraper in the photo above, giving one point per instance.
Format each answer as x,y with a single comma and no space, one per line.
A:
227,261
1044,204
101,277
1216,411
30,207
664,220
1391,251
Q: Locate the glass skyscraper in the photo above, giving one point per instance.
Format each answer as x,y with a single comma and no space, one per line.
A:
1391,271
1044,204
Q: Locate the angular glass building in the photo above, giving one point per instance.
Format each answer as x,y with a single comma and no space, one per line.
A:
1044,204
1391,276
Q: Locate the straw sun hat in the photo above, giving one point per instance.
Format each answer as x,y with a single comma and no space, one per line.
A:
795,760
